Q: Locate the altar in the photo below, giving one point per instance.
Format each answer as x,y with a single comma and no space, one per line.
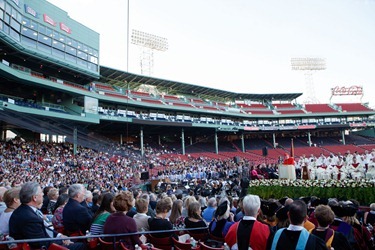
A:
287,169
287,172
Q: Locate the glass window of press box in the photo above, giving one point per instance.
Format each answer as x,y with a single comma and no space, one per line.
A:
41,37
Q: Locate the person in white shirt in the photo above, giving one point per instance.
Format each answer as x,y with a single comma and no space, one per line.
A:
12,200
356,169
370,174
2,203
339,171
141,218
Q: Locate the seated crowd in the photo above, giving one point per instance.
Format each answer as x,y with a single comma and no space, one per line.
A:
305,223
46,192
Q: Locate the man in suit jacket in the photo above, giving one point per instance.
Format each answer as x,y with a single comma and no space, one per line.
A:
76,217
26,221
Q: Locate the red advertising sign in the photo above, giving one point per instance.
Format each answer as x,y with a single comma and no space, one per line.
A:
65,28
306,127
251,128
48,20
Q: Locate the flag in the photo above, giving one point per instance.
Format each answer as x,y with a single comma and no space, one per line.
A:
292,149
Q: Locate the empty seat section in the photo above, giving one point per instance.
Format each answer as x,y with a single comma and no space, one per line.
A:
319,108
349,107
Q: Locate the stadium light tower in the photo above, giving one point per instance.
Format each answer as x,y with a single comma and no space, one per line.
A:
148,43
309,65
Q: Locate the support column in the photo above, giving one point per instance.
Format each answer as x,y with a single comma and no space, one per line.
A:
309,136
183,141
120,139
191,140
141,137
3,133
75,141
274,140
343,137
216,143
159,140
243,142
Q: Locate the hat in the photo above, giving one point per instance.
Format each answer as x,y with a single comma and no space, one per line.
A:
282,200
349,209
282,213
221,209
338,210
269,208
306,199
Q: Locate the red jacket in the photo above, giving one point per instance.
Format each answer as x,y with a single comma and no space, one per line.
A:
258,238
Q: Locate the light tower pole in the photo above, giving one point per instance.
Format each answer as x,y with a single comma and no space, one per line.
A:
148,43
309,65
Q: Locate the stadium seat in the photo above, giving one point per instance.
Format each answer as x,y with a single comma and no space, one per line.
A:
106,245
55,246
200,237
203,246
162,243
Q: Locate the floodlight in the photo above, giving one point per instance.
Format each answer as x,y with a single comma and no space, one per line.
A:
148,40
309,65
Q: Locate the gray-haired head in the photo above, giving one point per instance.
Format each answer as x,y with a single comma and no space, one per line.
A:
75,189
251,205
28,190
88,194
212,202
145,196
153,197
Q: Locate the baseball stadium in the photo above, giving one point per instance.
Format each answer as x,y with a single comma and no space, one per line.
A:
73,120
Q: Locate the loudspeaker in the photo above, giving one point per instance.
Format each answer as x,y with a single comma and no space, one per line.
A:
145,176
265,151
236,159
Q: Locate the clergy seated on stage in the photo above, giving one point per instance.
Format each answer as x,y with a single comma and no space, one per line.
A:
370,174
295,236
339,171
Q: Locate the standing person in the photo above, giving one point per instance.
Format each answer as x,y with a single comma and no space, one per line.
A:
26,221
325,216
76,217
249,232
295,236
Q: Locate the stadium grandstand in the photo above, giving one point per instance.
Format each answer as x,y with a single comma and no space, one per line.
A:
53,84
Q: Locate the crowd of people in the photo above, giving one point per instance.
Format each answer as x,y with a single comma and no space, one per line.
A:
47,192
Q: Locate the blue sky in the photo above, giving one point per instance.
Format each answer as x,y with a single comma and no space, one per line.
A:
242,45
